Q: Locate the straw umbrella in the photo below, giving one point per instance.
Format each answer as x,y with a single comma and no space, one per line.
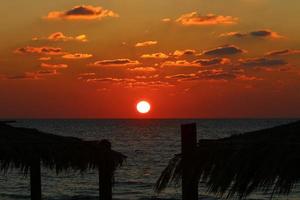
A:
266,160
27,149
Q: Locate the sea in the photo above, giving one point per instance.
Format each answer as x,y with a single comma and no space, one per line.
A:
149,144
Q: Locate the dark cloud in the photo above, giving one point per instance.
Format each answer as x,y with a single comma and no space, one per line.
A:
214,75
116,62
38,75
262,62
224,50
84,12
283,52
258,34
40,50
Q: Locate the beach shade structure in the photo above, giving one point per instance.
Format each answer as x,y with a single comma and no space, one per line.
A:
27,149
234,167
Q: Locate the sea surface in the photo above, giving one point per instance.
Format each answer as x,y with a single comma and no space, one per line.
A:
149,144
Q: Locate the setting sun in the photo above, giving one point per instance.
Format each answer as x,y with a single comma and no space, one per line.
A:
143,107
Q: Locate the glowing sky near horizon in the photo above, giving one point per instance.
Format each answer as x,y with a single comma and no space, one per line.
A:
194,58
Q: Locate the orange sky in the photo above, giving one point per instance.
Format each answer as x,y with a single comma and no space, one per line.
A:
189,59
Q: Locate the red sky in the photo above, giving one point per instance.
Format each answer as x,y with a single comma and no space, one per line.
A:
189,59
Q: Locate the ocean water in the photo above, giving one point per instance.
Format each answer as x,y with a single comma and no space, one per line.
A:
149,144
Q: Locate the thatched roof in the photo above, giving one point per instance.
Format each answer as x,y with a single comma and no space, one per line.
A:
20,146
267,160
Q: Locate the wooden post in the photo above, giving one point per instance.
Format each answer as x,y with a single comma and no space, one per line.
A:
105,184
105,171
188,148
35,180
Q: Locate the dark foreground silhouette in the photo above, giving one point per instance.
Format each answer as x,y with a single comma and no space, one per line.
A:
267,160
27,149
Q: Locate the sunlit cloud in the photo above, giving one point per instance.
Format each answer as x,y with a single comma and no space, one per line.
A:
166,20
181,76
110,79
59,36
116,62
83,12
45,58
85,76
196,19
262,62
142,69
186,52
258,34
46,72
283,52
76,56
224,50
146,43
155,56
213,61
179,63
147,84
40,50
54,66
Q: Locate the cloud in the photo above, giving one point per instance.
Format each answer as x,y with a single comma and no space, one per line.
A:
155,56
45,58
146,43
143,69
258,34
283,52
40,50
212,61
46,72
85,76
83,12
88,74
180,77
233,34
186,52
116,62
38,75
76,56
25,76
179,63
224,50
147,84
59,36
265,33
54,66
194,18
262,62
210,74
214,75
110,79
166,20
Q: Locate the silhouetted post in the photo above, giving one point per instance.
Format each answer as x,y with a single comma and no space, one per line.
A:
106,174
188,148
35,179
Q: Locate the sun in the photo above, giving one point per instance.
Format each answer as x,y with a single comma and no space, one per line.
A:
143,107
